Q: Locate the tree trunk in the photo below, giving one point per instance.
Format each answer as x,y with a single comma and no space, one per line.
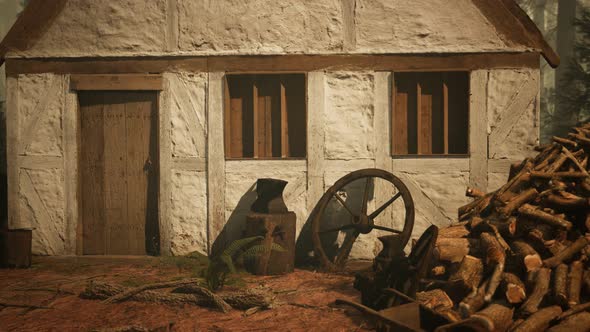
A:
539,321
563,118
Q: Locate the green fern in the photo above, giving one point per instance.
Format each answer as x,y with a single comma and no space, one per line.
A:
239,244
259,249
222,265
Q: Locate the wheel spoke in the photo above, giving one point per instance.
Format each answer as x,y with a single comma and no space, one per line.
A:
383,228
335,229
344,204
384,206
365,197
345,249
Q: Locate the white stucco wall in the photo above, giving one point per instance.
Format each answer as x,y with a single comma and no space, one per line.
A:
187,217
41,200
351,137
204,27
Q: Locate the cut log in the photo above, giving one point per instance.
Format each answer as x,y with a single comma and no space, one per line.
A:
470,272
542,216
438,271
555,246
544,159
519,200
515,185
575,283
540,320
513,288
435,299
540,289
556,164
454,231
506,227
586,282
526,256
567,253
466,278
476,206
564,141
474,301
572,203
515,324
579,322
575,310
495,317
454,249
495,255
560,285
473,192
558,175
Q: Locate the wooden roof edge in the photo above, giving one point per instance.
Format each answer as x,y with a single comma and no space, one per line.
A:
533,33
30,25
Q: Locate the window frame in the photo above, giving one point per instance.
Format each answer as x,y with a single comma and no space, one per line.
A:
226,120
392,123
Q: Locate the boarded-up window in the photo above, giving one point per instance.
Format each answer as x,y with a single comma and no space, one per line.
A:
430,113
265,116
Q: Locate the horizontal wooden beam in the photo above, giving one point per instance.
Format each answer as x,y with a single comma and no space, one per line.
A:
273,63
40,162
189,164
500,165
434,165
116,82
257,166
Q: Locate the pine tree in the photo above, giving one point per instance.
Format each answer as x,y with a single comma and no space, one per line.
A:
577,96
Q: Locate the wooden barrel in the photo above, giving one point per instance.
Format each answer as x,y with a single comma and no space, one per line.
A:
15,248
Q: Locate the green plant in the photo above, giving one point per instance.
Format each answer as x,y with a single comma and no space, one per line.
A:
222,265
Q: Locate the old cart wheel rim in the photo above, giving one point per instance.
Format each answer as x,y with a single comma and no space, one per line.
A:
319,211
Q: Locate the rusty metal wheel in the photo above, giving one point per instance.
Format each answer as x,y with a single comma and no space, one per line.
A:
351,221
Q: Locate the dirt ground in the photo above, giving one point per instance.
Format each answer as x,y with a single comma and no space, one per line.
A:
304,298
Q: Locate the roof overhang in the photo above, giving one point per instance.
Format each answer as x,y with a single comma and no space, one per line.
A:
34,20
506,16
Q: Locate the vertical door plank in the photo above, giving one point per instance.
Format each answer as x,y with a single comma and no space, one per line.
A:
227,128
274,118
255,111
446,115
138,128
284,122
115,175
400,119
236,118
91,173
425,104
267,119
419,137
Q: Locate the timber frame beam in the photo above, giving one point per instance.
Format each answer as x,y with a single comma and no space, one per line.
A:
115,82
273,63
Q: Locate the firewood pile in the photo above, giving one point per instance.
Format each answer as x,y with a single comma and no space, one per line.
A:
518,260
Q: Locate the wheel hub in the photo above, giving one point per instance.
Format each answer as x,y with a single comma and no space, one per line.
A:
363,224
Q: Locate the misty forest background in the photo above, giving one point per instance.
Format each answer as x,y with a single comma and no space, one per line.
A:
565,91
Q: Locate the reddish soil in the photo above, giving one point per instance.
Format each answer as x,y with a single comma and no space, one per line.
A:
304,299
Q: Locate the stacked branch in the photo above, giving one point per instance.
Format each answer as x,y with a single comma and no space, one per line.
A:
524,247
184,292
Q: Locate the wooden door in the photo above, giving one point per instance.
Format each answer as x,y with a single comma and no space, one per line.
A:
118,172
